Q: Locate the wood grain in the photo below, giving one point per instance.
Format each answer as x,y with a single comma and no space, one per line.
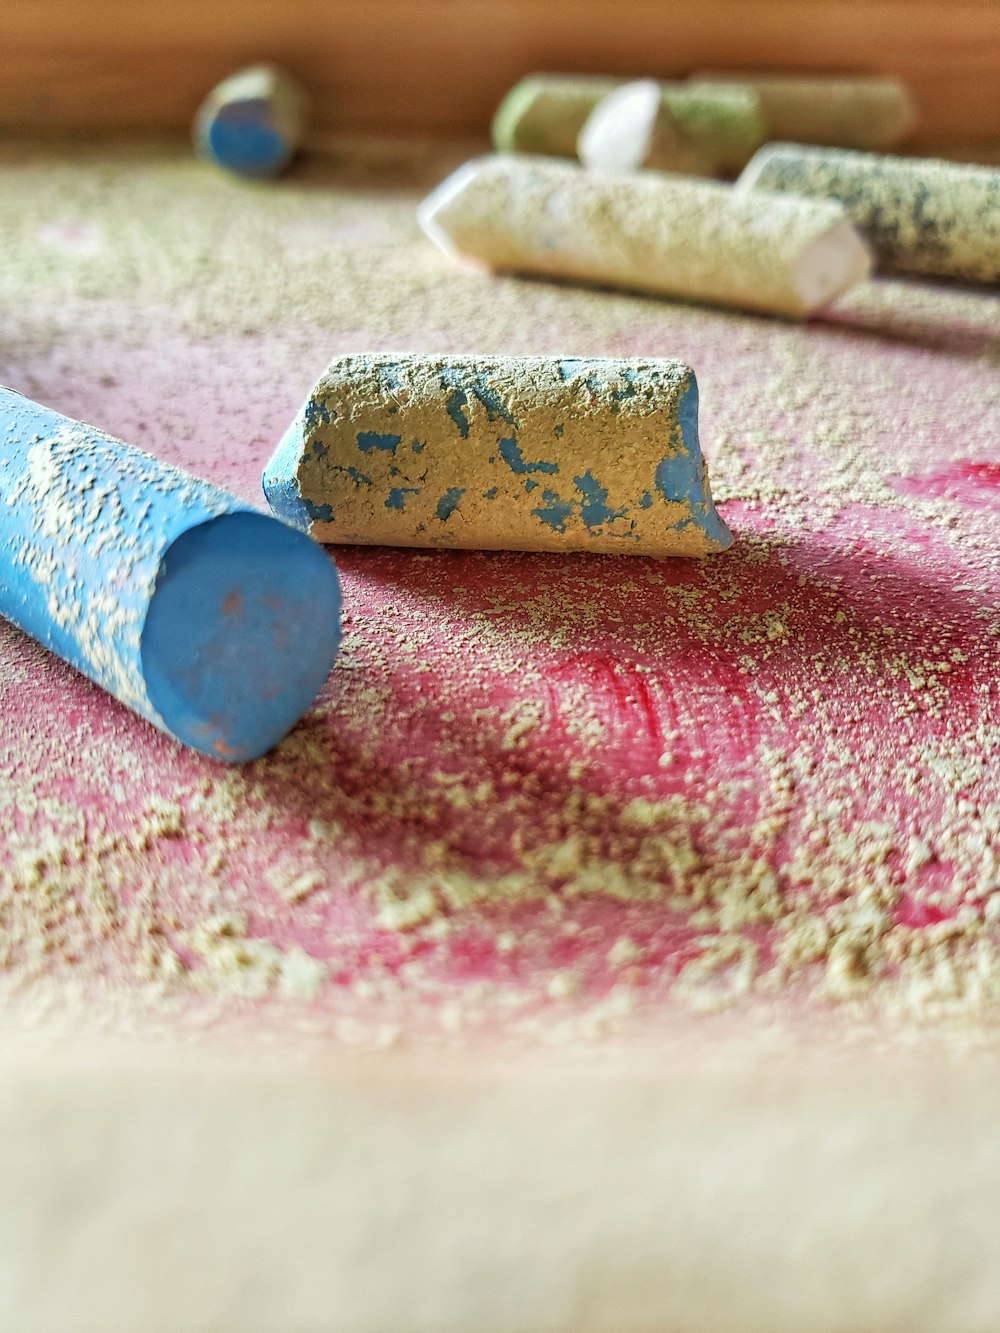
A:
442,65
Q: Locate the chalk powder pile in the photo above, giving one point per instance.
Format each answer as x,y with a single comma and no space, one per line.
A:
648,232
500,453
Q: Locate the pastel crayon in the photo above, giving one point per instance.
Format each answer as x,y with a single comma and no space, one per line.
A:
500,453
545,113
852,111
214,621
252,123
919,215
694,129
648,232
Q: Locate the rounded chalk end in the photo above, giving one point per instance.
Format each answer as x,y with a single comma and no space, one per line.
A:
831,265
251,124
618,132
438,213
242,631
240,138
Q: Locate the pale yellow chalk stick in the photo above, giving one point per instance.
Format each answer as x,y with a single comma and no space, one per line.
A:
648,232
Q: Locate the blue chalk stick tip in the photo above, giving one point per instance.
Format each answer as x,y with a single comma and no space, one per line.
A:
252,123
242,630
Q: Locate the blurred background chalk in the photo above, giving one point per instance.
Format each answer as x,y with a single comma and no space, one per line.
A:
544,113
920,215
215,622
648,232
696,129
527,453
252,123
840,112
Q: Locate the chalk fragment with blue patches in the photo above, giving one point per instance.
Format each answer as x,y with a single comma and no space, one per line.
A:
500,453
214,621
252,123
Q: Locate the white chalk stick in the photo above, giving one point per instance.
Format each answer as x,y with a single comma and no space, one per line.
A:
695,129
668,235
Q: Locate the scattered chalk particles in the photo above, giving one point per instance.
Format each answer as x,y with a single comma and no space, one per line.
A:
513,453
556,798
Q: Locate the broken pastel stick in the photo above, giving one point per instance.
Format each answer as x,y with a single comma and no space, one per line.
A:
214,621
694,129
545,113
500,453
251,123
920,215
648,232
842,112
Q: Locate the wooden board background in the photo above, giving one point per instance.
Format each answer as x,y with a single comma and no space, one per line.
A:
387,66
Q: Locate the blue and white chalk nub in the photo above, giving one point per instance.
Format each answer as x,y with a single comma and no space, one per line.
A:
500,453
216,622
252,123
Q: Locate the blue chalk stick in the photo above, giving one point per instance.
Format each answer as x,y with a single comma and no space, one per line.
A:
216,622
252,123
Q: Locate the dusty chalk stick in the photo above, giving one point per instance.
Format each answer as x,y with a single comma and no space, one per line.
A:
500,453
695,129
855,112
252,123
919,215
212,620
647,232
545,113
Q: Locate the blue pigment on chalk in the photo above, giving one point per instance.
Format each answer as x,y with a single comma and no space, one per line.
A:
496,408
679,476
595,510
241,138
316,411
448,503
371,439
396,499
511,454
215,622
456,401
556,514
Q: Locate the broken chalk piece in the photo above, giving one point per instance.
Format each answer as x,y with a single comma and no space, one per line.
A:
252,123
695,129
214,621
500,453
920,215
841,112
545,113
647,232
